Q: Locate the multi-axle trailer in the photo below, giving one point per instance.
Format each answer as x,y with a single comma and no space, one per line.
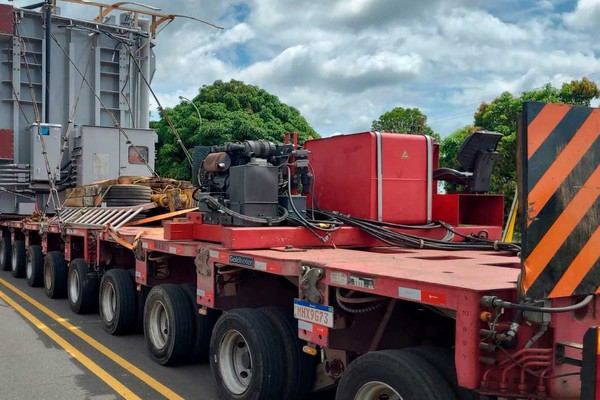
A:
281,310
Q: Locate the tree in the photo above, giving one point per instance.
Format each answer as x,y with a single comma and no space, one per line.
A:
404,120
501,116
230,111
450,145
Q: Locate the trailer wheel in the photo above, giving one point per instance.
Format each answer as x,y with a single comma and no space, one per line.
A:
246,356
443,360
55,275
5,253
18,259
392,374
82,289
204,325
168,324
118,302
34,267
299,366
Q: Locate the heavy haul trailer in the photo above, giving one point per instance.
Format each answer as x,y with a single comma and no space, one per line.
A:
427,320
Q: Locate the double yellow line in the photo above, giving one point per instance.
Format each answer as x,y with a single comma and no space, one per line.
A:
79,356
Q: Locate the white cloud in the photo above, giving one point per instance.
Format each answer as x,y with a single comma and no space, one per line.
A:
586,15
545,4
343,63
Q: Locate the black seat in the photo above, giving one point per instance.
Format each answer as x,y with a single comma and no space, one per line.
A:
476,155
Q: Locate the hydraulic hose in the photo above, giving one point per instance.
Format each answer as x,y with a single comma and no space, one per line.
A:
257,220
496,302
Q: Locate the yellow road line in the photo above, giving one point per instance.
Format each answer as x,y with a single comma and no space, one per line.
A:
135,371
79,356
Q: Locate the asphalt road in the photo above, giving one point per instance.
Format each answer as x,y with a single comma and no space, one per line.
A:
48,352
34,366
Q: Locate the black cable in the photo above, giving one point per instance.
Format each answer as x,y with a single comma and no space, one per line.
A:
395,238
334,225
496,302
432,225
194,194
324,238
359,310
257,220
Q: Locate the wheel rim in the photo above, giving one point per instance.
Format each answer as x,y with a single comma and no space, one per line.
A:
109,302
159,325
14,261
74,286
48,276
235,362
29,268
376,391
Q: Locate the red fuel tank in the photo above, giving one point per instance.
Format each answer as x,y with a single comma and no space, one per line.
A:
381,176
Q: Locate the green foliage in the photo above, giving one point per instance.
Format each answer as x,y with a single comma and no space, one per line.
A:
404,120
230,111
450,145
501,116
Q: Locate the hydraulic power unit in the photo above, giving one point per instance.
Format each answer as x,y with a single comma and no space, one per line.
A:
382,176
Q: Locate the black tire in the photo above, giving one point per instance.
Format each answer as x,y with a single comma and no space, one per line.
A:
140,300
443,360
118,302
407,374
5,253
18,259
142,295
263,378
34,266
82,289
55,275
204,325
299,366
168,342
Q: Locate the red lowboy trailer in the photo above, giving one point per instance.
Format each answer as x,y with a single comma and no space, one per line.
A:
385,303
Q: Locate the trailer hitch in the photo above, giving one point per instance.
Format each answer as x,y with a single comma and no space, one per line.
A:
308,283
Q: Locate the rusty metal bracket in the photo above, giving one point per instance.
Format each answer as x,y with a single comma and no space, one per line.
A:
201,262
308,283
138,251
560,354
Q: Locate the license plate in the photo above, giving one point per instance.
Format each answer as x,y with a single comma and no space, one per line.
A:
311,312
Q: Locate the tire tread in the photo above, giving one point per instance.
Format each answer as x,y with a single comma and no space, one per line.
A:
126,302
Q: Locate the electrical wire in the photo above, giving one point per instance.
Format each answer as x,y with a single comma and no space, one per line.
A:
395,238
327,226
496,302
340,300
257,220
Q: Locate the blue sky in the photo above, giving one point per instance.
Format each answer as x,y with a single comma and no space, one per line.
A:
343,63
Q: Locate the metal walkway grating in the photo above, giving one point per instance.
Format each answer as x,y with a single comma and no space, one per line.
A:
100,216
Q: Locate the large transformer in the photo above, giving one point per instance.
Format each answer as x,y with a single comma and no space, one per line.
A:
50,123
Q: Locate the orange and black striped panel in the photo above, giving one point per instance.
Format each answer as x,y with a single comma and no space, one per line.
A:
560,179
